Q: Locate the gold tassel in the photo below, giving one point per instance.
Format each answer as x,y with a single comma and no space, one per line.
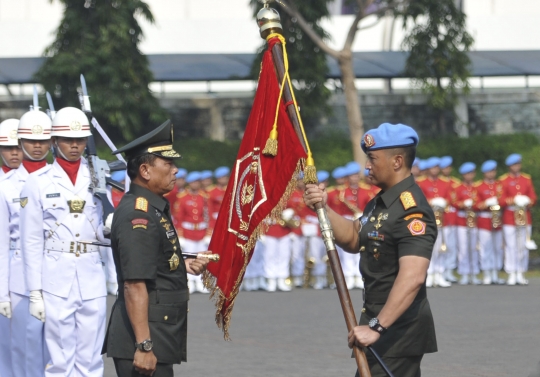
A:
270,149
310,171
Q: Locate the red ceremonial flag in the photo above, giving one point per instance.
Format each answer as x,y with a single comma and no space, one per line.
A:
258,190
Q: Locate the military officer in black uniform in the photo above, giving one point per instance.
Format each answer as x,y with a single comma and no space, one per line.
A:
148,326
395,238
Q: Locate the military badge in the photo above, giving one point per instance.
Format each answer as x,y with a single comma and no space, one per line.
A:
407,200
139,223
174,262
417,227
37,129
76,205
141,204
13,134
23,202
75,126
369,141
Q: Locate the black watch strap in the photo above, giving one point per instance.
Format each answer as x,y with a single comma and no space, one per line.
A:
145,345
376,326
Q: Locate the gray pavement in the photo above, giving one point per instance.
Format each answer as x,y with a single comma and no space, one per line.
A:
481,331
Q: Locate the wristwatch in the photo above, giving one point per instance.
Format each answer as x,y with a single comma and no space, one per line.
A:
376,326
145,345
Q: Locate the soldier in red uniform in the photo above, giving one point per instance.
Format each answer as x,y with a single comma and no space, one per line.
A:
172,197
450,220
216,193
518,196
193,223
277,252
206,179
490,237
438,194
465,200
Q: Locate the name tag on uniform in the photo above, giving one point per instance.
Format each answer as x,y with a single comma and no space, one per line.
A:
55,195
375,236
170,234
16,200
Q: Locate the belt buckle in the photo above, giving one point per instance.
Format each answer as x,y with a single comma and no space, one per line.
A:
78,249
195,226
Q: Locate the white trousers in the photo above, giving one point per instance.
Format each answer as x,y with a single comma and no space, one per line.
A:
191,247
255,267
516,255
276,257
317,251
450,237
467,250
28,351
350,264
5,347
298,249
437,263
74,333
110,269
491,249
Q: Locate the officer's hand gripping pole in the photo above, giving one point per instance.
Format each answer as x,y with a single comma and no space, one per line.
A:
270,24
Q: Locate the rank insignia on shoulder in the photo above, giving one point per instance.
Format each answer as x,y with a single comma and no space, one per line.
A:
23,202
407,200
139,223
417,227
414,216
141,204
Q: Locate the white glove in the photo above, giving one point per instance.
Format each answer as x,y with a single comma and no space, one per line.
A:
309,230
287,214
468,203
522,200
493,201
5,309
182,240
529,244
439,202
37,306
112,287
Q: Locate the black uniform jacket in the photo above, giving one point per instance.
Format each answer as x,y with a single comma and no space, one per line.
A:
397,223
145,247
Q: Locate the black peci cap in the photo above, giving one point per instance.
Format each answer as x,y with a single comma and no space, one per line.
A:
159,142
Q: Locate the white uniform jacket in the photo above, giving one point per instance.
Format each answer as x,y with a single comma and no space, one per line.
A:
4,240
10,193
52,231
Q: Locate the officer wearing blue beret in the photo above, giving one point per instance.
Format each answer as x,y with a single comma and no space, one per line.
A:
395,237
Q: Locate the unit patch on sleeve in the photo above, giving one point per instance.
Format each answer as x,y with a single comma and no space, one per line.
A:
139,223
417,227
23,202
407,200
414,216
141,204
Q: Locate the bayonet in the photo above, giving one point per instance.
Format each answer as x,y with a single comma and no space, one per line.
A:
50,111
36,100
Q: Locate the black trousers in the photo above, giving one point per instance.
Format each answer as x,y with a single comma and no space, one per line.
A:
124,368
399,366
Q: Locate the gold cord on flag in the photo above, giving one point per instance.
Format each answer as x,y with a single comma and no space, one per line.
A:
310,172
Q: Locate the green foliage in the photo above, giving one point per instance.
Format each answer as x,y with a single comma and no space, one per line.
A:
100,40
438,43
307,63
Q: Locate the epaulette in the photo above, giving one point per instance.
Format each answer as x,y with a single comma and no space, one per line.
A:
210,188
528,176
181,194
141,204
477,183
503,177
444,179
421,178
407,200
365,186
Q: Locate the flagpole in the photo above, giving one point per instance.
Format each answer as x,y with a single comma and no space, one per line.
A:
269,24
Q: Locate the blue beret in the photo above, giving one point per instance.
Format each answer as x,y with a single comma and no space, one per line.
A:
193,176
366,172
422,164
322,175
489,165
222,171
352,167
205,174
181,173
416,161
300,175
514,158
339,172
119,176
446,161
432,162
467,167
389,136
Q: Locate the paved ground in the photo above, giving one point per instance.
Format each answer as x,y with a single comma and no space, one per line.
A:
482,331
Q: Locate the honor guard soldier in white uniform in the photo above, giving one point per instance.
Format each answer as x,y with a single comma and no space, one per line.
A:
61,230
9,146
11,158
28,351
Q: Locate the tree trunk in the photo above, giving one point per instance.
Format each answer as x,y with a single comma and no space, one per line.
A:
352,103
